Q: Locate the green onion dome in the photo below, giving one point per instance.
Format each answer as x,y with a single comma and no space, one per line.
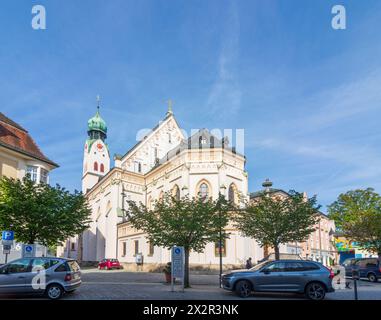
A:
96,123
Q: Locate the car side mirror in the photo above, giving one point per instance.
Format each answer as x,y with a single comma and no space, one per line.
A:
266,271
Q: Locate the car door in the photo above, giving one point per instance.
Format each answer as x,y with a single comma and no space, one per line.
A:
37,279
13,276
294,275
271,277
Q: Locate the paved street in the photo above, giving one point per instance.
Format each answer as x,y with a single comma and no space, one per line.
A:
121,285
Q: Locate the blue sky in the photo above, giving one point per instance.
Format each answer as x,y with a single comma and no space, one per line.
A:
308,96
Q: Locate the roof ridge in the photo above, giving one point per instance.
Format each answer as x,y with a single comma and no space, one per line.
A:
5,119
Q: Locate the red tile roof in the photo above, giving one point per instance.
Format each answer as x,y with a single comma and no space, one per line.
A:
15,137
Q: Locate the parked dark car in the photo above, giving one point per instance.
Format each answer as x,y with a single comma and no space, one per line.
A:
109,264
368,268
19,276
308,277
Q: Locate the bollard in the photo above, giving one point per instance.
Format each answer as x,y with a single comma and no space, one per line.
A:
355,277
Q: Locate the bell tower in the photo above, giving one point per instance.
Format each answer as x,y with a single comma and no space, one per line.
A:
96,158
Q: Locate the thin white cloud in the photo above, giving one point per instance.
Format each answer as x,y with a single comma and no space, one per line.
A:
225,94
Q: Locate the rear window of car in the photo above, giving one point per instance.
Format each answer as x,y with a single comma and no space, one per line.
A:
73,265
114,260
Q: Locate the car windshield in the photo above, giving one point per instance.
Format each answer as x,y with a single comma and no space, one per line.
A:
259,266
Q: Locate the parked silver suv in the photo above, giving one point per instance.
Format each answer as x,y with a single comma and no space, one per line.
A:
308,277
40,275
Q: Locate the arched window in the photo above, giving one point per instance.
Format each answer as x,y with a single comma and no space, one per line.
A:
204,190
232,193
176,192
95,166
102,167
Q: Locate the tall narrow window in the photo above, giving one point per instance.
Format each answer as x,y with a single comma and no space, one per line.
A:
204,191
95,166
136,242
102,167
217,248
124,251
151,249
232,194
176,192
169,137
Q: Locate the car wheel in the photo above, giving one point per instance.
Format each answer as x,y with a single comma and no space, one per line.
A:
243,288
315,291
54,291
372,277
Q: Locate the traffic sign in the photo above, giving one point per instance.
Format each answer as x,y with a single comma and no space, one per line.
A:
7,237
177,262
7,249
28,250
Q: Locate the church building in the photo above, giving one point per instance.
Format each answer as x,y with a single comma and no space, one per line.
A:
164,160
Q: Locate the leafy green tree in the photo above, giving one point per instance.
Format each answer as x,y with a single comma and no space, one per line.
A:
40,212
357,214
187,222
272,220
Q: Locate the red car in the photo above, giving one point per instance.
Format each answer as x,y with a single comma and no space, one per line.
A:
109,264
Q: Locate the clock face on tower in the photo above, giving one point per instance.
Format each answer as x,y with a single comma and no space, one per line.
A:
100,147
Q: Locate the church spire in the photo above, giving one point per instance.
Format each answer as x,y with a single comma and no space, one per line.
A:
169,112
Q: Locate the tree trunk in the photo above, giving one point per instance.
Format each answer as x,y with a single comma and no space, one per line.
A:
186,268
277,255
79,249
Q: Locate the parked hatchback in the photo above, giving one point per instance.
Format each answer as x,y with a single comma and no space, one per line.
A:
308,277
368,268
50,276
109,264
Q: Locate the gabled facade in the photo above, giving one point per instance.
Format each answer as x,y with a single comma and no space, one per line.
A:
163,161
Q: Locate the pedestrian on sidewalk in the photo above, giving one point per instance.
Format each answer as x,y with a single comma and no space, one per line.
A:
249,264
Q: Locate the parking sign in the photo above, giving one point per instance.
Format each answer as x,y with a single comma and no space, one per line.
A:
28,250
7,237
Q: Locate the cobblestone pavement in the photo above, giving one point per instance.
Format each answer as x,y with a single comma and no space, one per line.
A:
122,285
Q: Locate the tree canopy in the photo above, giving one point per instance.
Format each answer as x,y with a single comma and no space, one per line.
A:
273,220
40,212
357,214
187,222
